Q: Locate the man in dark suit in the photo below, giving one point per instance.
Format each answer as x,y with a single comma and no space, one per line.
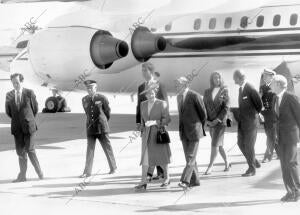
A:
21,106
269,116
250,105
97,112
192,117
287,108
148,75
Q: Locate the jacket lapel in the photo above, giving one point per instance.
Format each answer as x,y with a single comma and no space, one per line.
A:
13,100
22,97
282,101
150,113
217,96
185,100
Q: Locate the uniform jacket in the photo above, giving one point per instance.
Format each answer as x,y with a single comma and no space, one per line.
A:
161,94
267,97
97,112
22,120
289,119
216,108
250,105
192,117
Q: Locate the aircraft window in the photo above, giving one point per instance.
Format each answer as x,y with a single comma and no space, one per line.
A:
197,24
276,20
212,23
168,27
22,44
228,22
293,19
244,22
260,21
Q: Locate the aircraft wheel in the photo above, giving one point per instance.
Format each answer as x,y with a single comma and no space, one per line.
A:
51,104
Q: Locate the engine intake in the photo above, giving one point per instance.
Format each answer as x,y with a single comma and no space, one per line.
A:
105,49
144,44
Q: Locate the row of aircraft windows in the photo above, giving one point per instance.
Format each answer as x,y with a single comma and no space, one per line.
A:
243,23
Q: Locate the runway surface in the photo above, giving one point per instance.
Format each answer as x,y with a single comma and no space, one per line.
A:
61,147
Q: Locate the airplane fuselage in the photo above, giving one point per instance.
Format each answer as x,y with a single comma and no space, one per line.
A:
197,45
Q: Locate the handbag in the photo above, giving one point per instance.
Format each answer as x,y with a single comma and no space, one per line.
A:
162,136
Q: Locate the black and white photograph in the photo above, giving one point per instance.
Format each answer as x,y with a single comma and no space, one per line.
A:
149,107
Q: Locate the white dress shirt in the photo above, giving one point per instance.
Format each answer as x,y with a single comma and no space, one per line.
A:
280,97
16,95
184,94
215,92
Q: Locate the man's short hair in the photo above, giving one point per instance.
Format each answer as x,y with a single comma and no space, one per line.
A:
21,77
269,71
157,74
239,74
149,66
281,80
182,80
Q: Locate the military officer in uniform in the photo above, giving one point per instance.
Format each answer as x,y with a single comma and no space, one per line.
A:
97,112
269,115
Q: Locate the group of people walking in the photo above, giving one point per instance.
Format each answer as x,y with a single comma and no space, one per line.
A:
278,109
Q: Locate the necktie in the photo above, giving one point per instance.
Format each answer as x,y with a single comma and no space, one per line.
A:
180,101
277,105
240,95
18,99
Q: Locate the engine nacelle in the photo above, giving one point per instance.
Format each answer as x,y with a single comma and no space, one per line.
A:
144,44
105,49
55,53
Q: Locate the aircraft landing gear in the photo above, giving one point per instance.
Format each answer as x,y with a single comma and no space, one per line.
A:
55,104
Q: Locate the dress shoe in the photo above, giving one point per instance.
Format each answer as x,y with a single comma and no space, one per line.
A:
19,179
41,176
194,184
149,178
183,185
289,197
247,174
140,187
165,183
84,175
257,164
266,160
112,171
208,171
227,168
157,177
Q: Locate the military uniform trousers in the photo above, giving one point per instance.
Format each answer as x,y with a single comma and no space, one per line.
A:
105,143
25,145
271,141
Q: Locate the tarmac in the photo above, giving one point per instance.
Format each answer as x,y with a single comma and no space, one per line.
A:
61,147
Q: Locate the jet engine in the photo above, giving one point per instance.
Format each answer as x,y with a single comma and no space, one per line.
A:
60,54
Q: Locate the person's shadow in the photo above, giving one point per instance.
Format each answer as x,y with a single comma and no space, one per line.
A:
197,207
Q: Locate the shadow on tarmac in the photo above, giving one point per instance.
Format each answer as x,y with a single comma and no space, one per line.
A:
197,207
